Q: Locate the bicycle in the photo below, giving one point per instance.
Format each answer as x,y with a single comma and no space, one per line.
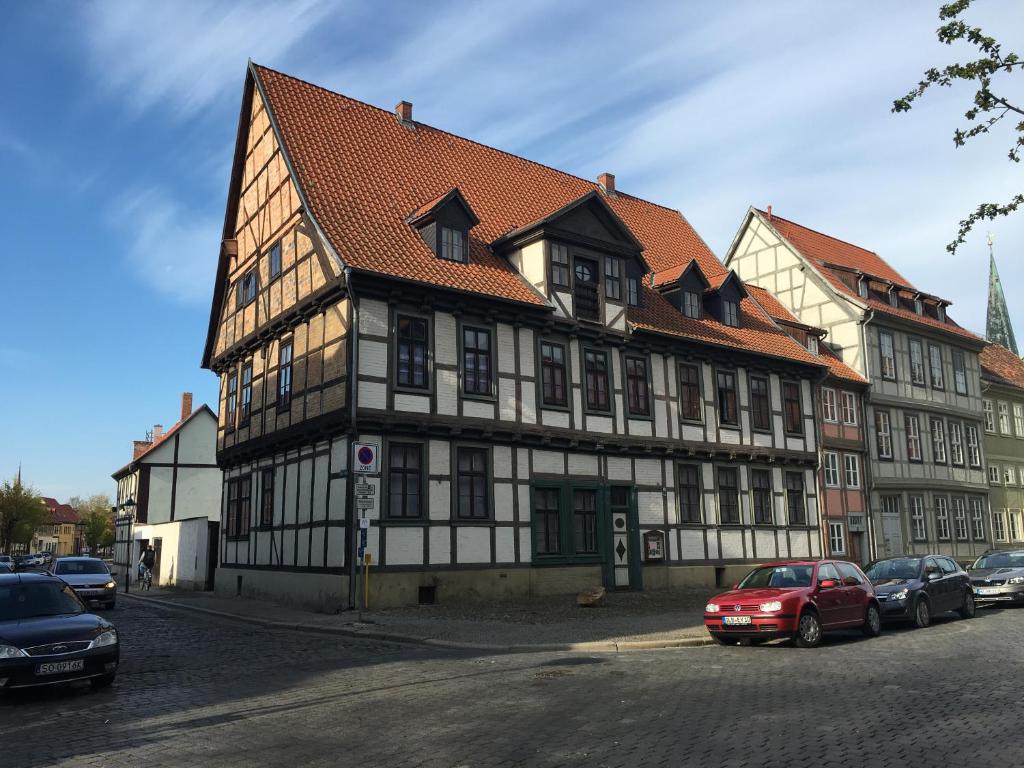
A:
146,579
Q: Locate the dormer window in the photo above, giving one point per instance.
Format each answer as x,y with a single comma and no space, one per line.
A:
453,244
894,299
731,313
918,306
444,224
812,344
692,304
940,312
612,278
633,291
862,288
559,265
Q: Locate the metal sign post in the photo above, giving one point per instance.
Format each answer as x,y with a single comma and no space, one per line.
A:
365,463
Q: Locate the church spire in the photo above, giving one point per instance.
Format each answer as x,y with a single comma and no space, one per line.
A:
997,327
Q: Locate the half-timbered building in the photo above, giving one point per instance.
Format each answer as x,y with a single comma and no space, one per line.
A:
549,415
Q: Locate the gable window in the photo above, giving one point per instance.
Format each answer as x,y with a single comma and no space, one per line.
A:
956,444
727,413
761,492
862,288
692,305
405,480
849,408
883,434
552,374
760,411
887,355
916,362
990,417
894,298
977,519
812,344
935,366
791,407
973,446
246,408
918,529
586,301
689,392
637,399
267,497
1018,419
851,465
595,367
728,495
942,518
731,313
828,405
612,278
471,468
1004,418
795,498
284,375
959,372
232,398
918,307
633,291
275,260
476,361
960,517
689,493
559,265
940,312
245,292
831,469
412,352
453,244
938,441
912,425
993,474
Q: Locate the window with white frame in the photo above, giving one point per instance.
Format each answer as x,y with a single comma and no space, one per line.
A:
883,434
912,424
916,362
1009,475
956,443
990,418
977,519
836,538
887,355
998,526
959,372
1004,418
828,405
935,366
993,474
973,446
918,528
960,517
849,408
942,518
938,441
890,505
851,467
831,469
812,344
1018,419
1011,519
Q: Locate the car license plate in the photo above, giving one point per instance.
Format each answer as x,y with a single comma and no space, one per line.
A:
60,667
986,590
735,619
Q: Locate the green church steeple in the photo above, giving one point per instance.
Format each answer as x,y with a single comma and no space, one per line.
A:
997,327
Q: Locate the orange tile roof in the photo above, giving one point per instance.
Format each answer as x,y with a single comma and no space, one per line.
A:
1000,365
775,308
163,438
824,250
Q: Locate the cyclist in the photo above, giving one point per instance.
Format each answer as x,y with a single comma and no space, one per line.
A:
146,562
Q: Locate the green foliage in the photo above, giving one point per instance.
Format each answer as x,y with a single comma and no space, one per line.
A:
97,520
21,514
988,108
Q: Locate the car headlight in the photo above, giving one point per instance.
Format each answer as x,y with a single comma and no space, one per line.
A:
711,608
901,595
109,585
774,605
105,638
10,652
1016,580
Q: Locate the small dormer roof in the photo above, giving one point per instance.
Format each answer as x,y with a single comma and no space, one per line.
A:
729,278
428,211
692,271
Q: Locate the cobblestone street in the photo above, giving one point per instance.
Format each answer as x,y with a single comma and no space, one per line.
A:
194,690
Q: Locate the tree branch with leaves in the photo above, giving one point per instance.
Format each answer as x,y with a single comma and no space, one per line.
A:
989,107
22,513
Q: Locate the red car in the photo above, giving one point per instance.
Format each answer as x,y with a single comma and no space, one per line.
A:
800,599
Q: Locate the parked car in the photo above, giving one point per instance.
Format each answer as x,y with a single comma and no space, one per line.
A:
998,577
47,636
799,600
7,559
916,588
25,562
89,577
6,567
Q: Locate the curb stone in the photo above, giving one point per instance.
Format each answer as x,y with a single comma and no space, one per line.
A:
597,646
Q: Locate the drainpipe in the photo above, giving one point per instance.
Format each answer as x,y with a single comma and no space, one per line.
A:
819,432
869,517
353,353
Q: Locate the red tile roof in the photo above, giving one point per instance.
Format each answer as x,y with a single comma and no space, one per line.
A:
163,438
64,513
1000,365
824,250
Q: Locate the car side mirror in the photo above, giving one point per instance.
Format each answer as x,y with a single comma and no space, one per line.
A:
736,585
827,584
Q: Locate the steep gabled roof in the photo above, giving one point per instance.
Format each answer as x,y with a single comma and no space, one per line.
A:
1001,366
163,439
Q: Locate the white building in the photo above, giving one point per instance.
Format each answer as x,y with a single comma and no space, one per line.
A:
168,495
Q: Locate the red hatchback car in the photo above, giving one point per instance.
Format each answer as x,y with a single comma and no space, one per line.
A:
800,600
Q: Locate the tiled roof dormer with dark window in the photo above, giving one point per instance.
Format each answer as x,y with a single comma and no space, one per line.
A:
444,224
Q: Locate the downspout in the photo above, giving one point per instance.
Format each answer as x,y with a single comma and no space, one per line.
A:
353,354
869,518
819,432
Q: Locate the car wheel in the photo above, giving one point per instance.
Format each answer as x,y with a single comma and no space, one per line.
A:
922,613
969,608
872,621
103,681
808,631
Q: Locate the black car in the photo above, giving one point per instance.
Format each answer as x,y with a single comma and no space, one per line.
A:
917,587
6,567
47,636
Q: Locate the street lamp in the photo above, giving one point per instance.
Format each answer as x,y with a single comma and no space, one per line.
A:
128,507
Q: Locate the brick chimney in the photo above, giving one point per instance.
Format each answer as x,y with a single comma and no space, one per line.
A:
158,431
186,405
404,111
607,182
769,212
139,447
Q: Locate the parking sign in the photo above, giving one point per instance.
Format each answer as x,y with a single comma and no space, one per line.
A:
366,458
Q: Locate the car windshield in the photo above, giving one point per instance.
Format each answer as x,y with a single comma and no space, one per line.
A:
42,598
1000,560
74,567
897,568
778,576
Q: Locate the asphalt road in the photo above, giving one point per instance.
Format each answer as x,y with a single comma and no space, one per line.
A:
196,691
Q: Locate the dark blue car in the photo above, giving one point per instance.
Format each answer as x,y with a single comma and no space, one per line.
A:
48,637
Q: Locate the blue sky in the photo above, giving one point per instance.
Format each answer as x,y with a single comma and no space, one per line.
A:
117,121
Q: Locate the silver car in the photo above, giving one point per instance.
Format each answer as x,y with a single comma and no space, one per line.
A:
998,577
89,577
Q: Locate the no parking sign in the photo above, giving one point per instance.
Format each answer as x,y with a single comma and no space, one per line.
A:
366,458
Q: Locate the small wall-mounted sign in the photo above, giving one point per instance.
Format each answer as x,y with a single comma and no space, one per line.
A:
366,458
654,545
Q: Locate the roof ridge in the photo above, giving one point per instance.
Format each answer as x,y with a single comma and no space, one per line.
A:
478,143
825,234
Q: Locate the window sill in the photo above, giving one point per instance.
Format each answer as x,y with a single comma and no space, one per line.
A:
403,522
730,427
238,537
478,522
639,416
691,422
553,407
490,399
597,412
403,389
